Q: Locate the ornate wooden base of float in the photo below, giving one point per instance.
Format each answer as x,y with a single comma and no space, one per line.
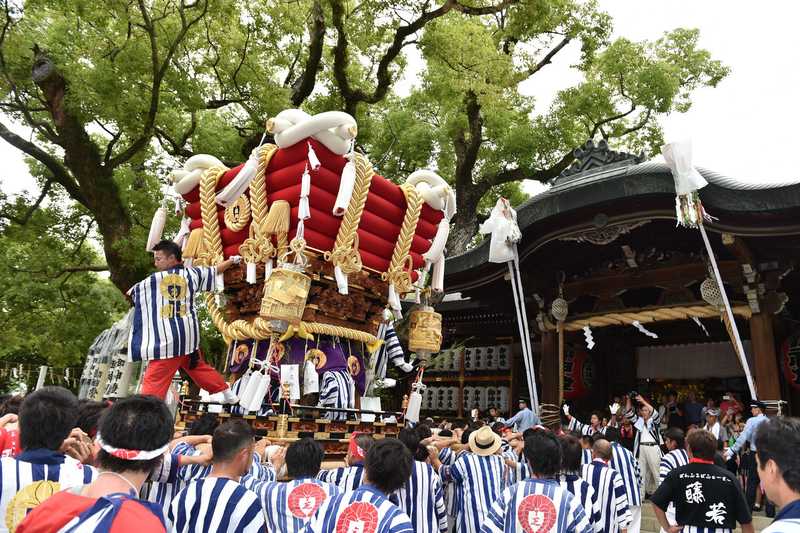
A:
333,435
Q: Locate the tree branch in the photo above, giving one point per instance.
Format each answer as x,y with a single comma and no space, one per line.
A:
60,173
304,85
159,71
598,125
547,59
353,96
518,174
32,209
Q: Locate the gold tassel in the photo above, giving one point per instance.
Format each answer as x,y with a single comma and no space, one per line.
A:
194,244
277,221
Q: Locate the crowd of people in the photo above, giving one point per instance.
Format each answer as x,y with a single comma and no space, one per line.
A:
81,466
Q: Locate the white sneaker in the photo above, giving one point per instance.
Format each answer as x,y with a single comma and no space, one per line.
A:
229,397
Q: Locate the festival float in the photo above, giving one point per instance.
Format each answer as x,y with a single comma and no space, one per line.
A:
329,249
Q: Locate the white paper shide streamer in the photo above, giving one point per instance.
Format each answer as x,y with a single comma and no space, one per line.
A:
587,335
701,325
638,325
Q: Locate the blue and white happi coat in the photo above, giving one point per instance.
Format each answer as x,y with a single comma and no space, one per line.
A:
50,470
615,514
670,461
165,321
216,504
479,480
626,465
345,478
586,456
586,495
166,482
448,457
337,390
363,510
422,499
391,351
584,429
290,505
536,505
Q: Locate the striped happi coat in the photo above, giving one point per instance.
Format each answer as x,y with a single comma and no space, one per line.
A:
337,390
586,456
422,499
585,494
345,478
615,513
40,467
584,429
365,509
623,461
536,505
671,461
216,504
165,321
290,505
479,480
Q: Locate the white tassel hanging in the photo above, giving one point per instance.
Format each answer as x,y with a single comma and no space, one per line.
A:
310,378
181,238
439,241
241,182
303,210
587,334
156,228
414,403
638,325
346,185
394,300
249,388
261,381
341,280
313,160
251,273
267,269
220,282
437,283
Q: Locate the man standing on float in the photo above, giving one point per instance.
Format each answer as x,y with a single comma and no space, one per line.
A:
165,331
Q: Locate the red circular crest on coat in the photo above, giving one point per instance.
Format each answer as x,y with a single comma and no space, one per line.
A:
536,513
358,517
305,499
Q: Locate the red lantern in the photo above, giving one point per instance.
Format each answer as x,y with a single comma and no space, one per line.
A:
578,372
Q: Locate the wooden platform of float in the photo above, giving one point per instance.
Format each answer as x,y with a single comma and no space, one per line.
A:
304,421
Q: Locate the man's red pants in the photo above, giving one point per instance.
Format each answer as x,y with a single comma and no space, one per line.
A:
158,376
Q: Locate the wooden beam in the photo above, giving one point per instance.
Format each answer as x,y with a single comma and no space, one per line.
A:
765,359
657,277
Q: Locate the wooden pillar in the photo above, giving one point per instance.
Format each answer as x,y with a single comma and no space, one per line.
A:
549,371
765,360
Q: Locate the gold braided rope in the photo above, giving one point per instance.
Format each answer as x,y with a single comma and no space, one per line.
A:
258,328
345,254
258,248
208,211
400,266
652,315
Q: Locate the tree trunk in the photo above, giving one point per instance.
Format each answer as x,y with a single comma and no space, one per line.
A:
465,223
90,181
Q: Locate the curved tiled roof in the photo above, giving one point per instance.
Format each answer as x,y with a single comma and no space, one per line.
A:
627,180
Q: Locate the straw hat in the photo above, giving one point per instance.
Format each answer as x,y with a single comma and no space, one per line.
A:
484,441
